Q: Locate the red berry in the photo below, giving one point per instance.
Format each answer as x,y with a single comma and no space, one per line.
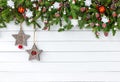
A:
106,34
57,15
99,18
70,17
97,15
34,53
20,46
104,25
83,9
114,14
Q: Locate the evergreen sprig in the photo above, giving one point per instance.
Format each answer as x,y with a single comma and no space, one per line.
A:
68,10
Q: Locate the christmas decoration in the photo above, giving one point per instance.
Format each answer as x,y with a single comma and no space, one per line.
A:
88,2
101,9
21,38
21,9
82,9
28,13
98,15
113,7
104,19
10,3
34,52
56,5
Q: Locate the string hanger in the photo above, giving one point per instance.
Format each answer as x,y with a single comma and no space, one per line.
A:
34,37
21,26
34,52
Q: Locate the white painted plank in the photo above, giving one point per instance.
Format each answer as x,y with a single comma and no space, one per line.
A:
60,36
39,67
68,56
65,46
62,57
58,77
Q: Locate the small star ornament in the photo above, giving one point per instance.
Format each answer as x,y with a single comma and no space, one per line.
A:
104,19
56,5
88,2
34,53
21,38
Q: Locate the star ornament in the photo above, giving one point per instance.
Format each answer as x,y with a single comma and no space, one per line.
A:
21,38
56,5
105,19
34,53
88,2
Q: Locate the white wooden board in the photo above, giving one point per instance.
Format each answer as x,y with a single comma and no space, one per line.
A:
68,56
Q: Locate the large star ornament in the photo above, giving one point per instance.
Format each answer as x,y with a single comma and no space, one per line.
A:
21,38
34,53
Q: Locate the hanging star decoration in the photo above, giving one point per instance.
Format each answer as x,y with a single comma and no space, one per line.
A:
21,38
34,53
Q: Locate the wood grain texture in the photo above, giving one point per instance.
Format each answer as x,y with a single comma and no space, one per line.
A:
60,77
68,56
62,57
66,46
60,36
